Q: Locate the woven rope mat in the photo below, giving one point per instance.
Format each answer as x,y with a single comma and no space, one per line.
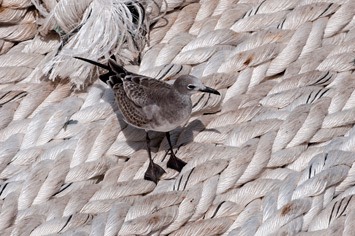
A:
272,156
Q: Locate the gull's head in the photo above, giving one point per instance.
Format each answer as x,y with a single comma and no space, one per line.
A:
188,85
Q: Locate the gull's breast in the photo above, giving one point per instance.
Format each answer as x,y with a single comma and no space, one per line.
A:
167,117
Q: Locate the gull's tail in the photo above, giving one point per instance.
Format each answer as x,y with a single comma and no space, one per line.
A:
115,72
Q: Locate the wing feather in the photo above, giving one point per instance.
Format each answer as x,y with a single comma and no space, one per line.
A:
144,91
131,112
138,96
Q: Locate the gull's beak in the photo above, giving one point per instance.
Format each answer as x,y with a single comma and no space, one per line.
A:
210,90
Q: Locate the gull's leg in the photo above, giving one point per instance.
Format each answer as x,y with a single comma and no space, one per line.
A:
154,171
174,162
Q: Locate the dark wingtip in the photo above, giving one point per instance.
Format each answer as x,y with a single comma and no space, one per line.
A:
113,68
116,68
105,78
94,63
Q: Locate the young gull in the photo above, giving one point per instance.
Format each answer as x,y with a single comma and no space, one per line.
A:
152,105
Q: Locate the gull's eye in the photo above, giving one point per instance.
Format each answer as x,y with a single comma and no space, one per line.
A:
191,87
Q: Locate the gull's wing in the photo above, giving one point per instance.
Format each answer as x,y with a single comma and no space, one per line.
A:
144,91
139,89
132,113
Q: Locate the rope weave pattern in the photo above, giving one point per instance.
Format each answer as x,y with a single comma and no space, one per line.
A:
273,155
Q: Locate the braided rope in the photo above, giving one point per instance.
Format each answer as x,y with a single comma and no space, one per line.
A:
273,155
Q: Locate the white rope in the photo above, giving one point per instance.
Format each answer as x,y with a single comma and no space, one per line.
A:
274,154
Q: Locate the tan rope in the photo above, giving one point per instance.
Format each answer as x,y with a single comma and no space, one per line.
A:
273,155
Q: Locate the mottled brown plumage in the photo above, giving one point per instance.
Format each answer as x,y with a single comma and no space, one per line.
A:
150,104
